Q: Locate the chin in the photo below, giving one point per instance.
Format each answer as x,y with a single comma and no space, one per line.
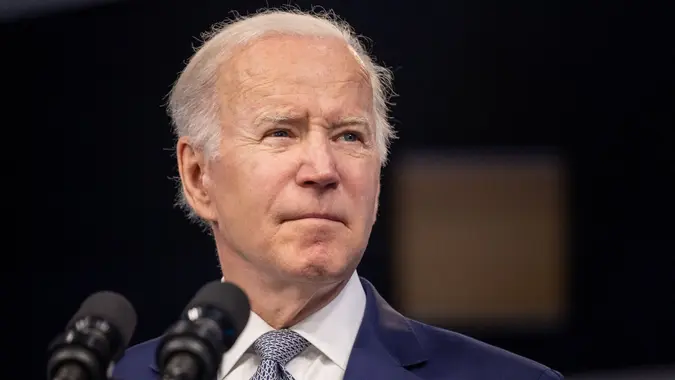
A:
320,264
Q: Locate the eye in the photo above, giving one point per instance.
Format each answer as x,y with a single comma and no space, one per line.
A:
280,133
351,136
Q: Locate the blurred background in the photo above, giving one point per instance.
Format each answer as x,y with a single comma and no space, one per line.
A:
528,202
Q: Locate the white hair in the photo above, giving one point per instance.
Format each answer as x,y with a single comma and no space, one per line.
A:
194,102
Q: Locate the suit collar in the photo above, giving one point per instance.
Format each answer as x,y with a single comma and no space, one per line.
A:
386,346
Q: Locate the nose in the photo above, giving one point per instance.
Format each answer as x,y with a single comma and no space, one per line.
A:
318,167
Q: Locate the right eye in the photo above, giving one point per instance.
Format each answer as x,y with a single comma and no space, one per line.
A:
280,133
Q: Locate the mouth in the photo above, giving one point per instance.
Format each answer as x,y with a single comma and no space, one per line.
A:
317,216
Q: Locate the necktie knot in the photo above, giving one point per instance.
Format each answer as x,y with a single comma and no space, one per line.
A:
280,345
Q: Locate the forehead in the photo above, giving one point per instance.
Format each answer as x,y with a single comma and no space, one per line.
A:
287,65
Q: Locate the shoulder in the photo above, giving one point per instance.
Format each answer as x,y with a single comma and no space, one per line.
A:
137,362
465,355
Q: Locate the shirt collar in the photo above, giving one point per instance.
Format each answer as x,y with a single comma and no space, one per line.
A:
320,329
333,328
255,328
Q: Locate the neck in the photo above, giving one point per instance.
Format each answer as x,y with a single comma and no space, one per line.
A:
285,306
280,303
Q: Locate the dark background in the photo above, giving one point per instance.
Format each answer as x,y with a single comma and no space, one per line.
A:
88,147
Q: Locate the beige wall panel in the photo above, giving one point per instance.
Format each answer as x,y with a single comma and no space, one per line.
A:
481,239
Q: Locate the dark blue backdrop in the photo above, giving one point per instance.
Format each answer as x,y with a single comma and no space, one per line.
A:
88,147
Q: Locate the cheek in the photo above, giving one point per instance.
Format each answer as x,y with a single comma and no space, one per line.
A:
249,185
364,185
229,181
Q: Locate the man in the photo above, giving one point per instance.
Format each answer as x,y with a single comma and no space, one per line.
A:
282,130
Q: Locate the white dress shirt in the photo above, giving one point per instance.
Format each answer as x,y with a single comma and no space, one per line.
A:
330,331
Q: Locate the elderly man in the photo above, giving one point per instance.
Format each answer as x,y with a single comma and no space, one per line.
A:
281,119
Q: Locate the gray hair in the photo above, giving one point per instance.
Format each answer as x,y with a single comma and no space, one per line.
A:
194,104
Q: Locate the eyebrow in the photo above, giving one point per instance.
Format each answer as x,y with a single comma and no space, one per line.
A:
353,120
296,118
277,117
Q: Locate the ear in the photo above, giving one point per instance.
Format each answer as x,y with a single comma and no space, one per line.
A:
194,177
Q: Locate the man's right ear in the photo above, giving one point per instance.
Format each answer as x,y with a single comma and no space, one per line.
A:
193,171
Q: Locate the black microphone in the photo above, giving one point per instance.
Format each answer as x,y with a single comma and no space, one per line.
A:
193,348
94,339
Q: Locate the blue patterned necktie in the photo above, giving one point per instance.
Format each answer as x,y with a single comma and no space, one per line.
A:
277,348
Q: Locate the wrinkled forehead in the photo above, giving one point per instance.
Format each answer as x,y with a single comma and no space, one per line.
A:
281,63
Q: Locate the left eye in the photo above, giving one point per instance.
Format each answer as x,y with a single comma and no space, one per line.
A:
350,137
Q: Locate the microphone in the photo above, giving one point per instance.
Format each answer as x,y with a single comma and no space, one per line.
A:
193,347
94,339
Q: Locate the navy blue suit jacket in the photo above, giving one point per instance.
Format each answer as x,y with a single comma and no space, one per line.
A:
390,346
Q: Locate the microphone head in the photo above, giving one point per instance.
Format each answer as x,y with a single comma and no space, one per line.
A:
228,298
193,347
95,338
111,307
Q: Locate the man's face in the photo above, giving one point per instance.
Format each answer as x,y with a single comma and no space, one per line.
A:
295,189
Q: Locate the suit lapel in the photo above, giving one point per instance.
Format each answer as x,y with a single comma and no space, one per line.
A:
386,347
363,365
